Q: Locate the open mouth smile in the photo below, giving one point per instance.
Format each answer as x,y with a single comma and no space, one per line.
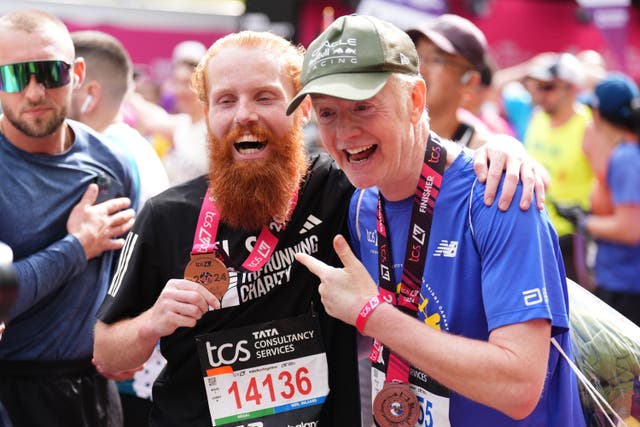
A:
360,154
249,144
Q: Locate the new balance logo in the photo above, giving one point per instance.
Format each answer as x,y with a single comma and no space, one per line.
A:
447,249
311,222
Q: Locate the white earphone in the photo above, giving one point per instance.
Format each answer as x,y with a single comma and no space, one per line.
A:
466,77
85,104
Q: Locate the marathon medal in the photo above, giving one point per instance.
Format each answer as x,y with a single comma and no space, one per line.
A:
396,405
207,270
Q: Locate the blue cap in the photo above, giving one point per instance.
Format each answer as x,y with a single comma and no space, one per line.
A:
616,97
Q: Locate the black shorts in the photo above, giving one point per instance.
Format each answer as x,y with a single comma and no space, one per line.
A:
58,394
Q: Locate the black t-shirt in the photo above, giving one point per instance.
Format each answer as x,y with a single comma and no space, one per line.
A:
158,249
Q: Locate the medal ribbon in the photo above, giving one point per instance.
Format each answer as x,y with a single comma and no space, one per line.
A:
406,295
207,231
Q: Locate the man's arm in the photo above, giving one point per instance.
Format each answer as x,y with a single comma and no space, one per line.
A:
128,343
153,119
507,372
93,229
621,226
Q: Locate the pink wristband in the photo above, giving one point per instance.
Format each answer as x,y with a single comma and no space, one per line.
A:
366,311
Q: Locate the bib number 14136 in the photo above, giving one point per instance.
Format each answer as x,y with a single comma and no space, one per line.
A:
286,384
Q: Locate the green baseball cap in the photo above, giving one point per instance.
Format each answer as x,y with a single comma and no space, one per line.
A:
353,59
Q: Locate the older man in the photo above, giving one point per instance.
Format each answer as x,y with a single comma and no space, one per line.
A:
462,336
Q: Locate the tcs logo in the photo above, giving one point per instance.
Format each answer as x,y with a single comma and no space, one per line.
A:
227,354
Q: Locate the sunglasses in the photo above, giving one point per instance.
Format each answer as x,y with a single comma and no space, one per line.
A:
51,74
546,87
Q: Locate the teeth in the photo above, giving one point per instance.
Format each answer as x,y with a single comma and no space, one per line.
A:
353,151
355,162
247,138
249,150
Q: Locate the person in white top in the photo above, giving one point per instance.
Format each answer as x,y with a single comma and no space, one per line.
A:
98,104
186,156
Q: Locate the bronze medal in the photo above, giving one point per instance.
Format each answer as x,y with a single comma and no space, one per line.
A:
396,405
209,271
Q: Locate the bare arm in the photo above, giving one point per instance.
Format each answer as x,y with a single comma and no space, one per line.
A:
128,343
507,372
519,71
120,346
153,119
620,227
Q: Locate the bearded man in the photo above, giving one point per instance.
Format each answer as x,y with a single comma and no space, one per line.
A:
254,345
62,236
262,193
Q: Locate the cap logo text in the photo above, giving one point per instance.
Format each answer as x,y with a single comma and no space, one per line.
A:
341,51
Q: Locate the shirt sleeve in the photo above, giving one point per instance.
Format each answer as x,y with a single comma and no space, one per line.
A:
135,283
47,270
522,272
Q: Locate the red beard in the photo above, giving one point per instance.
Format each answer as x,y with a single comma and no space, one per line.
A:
249,194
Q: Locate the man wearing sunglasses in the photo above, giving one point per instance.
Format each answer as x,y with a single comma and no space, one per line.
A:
554,138
62,236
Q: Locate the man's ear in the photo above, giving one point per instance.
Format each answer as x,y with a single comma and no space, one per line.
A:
79,71
94,96
304,110
418,100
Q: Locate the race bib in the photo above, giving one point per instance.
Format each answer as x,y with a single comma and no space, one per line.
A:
271,374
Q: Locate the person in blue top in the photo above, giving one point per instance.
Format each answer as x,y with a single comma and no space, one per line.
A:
616,230
463,300
56,179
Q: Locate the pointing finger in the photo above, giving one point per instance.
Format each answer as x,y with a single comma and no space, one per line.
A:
314,265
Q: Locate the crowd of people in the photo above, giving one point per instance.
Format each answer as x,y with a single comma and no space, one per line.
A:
205,266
